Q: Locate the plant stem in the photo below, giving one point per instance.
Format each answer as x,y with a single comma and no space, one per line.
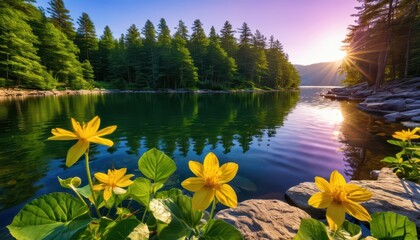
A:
80,197
90,183
213,207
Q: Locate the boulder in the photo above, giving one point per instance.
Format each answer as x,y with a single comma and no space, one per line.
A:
264,219
393,117
389,194
388,105
411,113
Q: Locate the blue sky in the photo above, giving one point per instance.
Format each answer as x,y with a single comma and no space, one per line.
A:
310,30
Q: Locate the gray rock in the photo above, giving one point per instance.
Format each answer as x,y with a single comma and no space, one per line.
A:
362,93
264,219
389,105
411,113
298,196
413,106
416,119
389,194
393,117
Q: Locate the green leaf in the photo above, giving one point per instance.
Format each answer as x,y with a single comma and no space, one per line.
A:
221,230
181,207
156,165
122,229
141,190
171,193
389,225
349,231
397,143
389,160
311,229
174,230
69,182
52,216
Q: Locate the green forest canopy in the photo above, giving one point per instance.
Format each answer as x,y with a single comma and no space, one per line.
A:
47,52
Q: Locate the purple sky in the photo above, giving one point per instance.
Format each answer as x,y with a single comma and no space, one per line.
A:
310,30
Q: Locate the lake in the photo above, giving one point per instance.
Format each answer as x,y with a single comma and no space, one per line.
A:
279,139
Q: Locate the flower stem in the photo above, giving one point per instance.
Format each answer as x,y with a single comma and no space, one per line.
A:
213,207
78,195
90,183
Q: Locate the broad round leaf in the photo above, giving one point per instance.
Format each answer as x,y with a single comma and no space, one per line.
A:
122,229
389,225
156,165
52,216
221,230
311,229
141,190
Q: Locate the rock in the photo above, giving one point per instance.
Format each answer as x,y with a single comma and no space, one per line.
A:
393,117
415,119
264,219
389,194
362,93
388,105
298,196
411,113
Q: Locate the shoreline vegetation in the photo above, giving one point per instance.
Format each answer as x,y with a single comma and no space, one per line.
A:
17,92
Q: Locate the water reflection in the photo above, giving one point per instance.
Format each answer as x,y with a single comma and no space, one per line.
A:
279,139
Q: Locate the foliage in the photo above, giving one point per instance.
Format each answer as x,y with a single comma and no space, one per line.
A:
384,43
163,214
406,163
43,52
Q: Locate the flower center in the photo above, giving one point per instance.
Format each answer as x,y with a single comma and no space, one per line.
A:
339,194
212,182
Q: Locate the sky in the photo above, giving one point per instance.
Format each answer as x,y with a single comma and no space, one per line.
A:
311,31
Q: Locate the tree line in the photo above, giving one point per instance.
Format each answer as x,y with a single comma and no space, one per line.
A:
43,50
384,43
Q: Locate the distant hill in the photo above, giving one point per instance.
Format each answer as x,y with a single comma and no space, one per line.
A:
320,74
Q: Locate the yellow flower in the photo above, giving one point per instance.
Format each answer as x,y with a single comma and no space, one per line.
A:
210,182
113,182
85,134
339,197
406,135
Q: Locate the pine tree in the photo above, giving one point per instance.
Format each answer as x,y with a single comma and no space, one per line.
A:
88,71
86,38
181,31
133,44
164,55
245,57
220,67
118,64
228,40
19,64
61,19
58,54
105,46
198,47
183,65
149,55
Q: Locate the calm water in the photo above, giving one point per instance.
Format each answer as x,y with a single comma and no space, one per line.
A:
278,139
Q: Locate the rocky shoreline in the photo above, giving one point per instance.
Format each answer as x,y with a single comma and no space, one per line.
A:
397,100
16,92
274,219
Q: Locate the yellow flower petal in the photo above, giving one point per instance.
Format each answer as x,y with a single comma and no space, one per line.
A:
98,187
211,164
322,184
106,131
62,134
102,141
320,200
76,125
336,179
227,196
227,172
102,177
75,152
356,210
125,181
107,193
193,184
93,125
119,173
197,168
335,216
202,198
357,193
